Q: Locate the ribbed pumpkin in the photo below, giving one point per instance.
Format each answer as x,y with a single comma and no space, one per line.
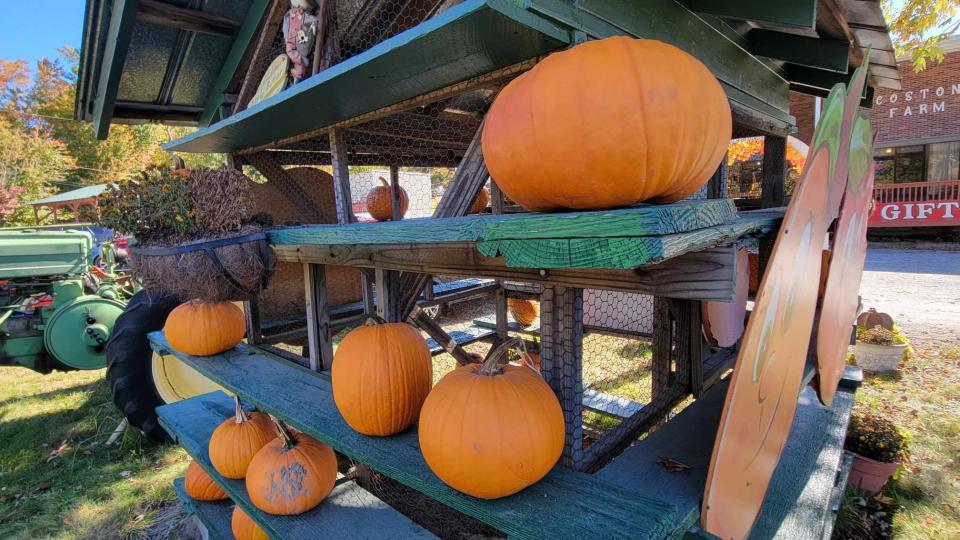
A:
244,528
235,441
379,202
291,474
204,329
871,317
483,198
200,486
381,374
478,446
607,123
523,311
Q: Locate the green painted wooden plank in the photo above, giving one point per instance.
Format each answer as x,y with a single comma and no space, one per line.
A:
242,40
215,515
647,220
828,54
565,504
792,13
672,22
469,39
347,508
624,253
123,15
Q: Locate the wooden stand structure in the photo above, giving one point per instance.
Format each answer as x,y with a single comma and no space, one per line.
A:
416,94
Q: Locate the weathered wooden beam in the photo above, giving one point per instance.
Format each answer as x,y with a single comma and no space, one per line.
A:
341,177
395,213
561,362
421,320
703,275
251,309
501,312
772,194
319,341
122,19
791,14
828,54
238,50
190,20
813,77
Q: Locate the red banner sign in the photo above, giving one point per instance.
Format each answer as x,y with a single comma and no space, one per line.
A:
916,214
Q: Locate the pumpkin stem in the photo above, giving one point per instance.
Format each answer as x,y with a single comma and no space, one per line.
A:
374,320
239,415
289,441
384,182
491,364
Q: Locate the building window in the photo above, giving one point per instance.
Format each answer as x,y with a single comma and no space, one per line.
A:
915,163
943,161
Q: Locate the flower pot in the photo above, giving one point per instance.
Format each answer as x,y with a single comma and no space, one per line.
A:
873,357
870,475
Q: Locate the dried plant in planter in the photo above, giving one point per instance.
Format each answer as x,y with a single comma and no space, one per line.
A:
195,236
877,438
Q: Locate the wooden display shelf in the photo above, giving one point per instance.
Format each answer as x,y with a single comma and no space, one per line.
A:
564,504
215,515
470,39
348,507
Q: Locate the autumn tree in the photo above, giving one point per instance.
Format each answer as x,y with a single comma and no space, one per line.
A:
918,26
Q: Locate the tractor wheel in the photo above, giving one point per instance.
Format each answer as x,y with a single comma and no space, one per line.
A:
130,361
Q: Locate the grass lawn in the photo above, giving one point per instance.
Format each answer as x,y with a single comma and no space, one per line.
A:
923,397
57,477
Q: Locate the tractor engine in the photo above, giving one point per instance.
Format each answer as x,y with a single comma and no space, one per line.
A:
56,309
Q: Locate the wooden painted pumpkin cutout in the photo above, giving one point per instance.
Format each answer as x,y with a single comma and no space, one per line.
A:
762,396
723,322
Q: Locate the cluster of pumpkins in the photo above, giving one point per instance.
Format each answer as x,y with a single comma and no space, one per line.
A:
285,472
381,380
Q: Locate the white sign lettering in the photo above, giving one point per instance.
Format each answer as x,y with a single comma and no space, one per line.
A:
936,106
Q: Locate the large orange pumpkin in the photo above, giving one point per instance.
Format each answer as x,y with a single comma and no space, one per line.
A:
523,311
204,329
291,474
379,201
381,374
475,444
244,528
234,443
480,203
607,123
200,486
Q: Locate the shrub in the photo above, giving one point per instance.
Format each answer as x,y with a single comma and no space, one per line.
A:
877,438
879,335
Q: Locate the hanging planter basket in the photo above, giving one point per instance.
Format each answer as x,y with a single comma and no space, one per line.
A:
230,268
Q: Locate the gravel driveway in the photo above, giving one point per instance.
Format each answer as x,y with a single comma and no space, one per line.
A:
919,288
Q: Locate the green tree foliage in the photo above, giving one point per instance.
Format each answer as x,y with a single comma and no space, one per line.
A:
918,26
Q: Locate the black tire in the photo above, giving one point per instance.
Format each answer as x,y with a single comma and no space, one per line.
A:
129,368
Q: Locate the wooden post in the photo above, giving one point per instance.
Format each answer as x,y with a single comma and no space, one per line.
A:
395,214
387,287
717,185
341,177
662,346
369,303
772,188
501,311
251,309
561,354
319,342
496,198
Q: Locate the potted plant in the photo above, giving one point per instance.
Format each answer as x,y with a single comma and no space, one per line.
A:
195,237
879,349
878,447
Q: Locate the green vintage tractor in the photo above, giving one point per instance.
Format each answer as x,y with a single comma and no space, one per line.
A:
59,311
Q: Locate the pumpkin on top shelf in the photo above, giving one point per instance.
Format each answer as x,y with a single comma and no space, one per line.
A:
235,441
388,361
479,447
524,311
481,202
380,201
291,474
606,124
205,328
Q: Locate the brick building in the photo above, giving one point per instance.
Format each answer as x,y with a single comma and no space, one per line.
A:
917,150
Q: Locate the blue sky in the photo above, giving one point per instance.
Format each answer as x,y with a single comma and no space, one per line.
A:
32,29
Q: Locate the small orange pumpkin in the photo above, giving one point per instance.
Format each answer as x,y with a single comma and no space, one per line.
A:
200,486
203,329
291,474
483,198
379,201
607,123
479,447
235,441
381,374
523,311
245,528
